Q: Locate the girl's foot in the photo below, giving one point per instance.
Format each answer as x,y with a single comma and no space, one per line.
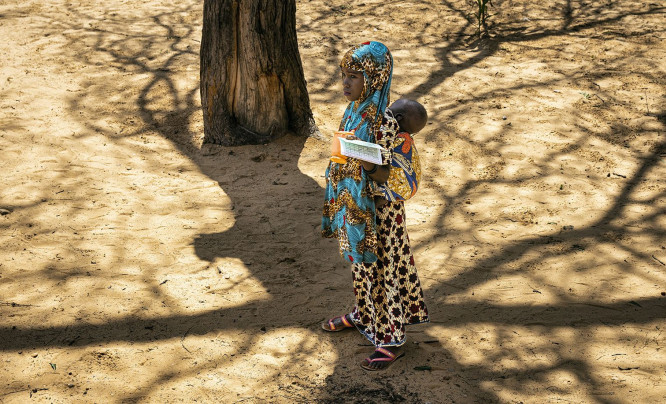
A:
382,358
338,323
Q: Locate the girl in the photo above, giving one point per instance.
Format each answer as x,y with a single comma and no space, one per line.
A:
373,238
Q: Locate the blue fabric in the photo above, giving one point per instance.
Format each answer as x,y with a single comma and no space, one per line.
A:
349,211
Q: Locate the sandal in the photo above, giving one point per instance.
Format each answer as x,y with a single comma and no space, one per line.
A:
342,323
388,358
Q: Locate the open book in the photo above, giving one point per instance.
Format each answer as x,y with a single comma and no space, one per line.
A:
361,150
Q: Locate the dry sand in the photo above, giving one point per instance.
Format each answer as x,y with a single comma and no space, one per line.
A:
137,265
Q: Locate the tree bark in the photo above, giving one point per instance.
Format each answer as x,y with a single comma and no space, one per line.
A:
252,85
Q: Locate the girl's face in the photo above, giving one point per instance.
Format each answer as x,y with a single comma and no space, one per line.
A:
352,83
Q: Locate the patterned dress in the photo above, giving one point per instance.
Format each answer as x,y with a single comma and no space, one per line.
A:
388,291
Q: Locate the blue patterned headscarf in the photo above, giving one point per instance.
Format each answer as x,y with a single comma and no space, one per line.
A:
365,115
349,210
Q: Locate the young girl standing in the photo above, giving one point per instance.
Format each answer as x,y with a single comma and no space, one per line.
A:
373,238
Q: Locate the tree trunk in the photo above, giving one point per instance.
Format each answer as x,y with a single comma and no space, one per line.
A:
252,84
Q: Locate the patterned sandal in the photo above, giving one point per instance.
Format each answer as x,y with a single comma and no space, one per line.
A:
332,327
389,357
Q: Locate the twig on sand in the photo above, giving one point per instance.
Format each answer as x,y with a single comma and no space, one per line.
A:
658,260
183,338
30,389
14,304
35,390
599,306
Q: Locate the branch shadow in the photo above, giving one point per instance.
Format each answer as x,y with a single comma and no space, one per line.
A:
284,260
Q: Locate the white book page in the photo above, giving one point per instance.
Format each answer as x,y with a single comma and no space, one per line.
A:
361,150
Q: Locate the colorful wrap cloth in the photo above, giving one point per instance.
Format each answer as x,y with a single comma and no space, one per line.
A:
405,173
349,209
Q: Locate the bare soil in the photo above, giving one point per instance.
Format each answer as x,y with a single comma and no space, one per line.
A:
138,265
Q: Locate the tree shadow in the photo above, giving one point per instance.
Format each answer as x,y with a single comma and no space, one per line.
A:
285,260
615,228
560,22
260,183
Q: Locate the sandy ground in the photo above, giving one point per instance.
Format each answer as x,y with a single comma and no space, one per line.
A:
137,265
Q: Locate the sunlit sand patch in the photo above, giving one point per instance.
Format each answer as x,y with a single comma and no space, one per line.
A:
278,355
102,372
229,366
562,386
538,355
226,283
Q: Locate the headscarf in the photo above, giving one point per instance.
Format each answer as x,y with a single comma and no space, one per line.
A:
349,210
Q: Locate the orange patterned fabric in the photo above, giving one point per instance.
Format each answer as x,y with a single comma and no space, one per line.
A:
405,174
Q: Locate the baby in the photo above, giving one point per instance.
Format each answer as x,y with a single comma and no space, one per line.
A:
411,116
400,180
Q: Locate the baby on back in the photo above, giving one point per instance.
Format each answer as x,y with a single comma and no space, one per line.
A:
411,116
405,168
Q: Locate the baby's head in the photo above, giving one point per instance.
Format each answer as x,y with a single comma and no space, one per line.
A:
411,115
